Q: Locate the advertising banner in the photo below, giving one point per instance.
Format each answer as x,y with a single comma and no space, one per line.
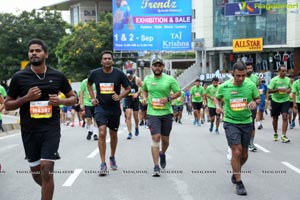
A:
242,9
247,45
155,25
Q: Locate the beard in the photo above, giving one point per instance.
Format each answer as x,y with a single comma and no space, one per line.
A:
157,73
36,62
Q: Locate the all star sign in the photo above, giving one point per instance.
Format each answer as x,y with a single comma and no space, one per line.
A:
247,45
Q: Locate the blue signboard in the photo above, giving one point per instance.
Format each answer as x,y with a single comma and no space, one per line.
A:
242,9
154,25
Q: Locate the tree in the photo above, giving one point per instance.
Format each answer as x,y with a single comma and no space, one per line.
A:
16,31
80,51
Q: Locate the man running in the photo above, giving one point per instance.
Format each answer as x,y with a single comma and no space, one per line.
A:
240,97
132,103
280,87
211,92
157,89
197,93
108,81
296,96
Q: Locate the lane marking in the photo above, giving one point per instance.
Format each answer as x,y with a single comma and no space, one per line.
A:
72,178
93,154
262,148
292,167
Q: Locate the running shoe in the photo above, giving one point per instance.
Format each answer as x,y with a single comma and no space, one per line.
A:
252,148
129,136
95,137
195,122
136,132
275,138
260,127
141,123
202,121
198,123
179,122
103,169
89,136
163,162
113,164
291,126
240,188
156,171
284,139
83,124
217,131
211,128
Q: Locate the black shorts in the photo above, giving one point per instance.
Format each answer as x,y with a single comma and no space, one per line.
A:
177,109
291,104
143,107
111,120
76,108
238,134
160,124
131,104
89,111
41,145
197,105
212,112
279,108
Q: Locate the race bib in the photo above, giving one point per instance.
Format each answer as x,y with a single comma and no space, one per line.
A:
197,94
40,109
107,88
261,91
283,90
156,104
238,104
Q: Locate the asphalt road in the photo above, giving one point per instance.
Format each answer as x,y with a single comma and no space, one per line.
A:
197,167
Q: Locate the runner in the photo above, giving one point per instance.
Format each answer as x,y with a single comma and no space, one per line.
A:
197,93
211,92
296,96
88,108
240,97
280,87
108,81
132,103
157,89
35,91
178,108
262,89
76,110
292,112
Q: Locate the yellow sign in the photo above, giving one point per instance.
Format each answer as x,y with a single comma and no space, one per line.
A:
247,45
24,64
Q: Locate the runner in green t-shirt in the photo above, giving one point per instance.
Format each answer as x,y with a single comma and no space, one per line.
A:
296,96
280,87
178,108
157,90
2,96
197,93
292,114
88,108
255,80
239,98
211,92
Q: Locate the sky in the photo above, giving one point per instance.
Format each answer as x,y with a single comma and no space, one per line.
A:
17,6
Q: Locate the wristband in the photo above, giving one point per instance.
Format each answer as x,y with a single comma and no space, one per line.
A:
21,101
169,98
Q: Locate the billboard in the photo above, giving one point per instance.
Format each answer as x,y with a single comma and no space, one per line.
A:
152,25
247,45
242,9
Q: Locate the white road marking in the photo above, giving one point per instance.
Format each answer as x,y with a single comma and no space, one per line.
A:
72,178
262,148
93,154
292,167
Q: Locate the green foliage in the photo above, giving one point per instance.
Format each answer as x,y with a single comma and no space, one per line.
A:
79,52
16,31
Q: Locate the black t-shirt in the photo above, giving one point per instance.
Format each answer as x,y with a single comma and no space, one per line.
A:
134,89
106,85
54,82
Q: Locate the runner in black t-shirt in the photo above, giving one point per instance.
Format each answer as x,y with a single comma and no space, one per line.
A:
108,81
35,91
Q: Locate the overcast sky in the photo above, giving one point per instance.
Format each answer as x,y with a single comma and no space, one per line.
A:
17,6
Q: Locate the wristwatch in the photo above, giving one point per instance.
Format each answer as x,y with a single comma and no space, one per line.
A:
169,98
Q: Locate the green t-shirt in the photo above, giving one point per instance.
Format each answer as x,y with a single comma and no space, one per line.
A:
277,83
254,79
158,88
296,90
211,92
236,99
87,101
197,94
179,100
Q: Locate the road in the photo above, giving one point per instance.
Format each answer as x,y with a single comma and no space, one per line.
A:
197,167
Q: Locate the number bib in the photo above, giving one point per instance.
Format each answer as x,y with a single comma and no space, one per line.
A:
40,109
131,92
156,104
238,104
282,88
107,88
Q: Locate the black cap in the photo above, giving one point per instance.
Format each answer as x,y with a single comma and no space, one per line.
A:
129,72
157,60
